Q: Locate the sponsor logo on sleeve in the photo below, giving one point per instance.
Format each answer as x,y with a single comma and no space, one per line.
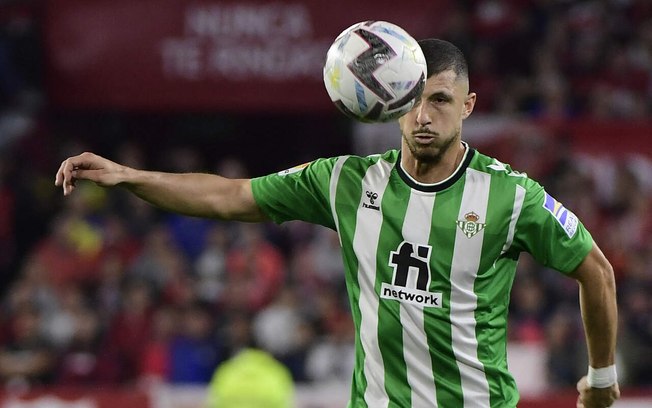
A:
564,217
293,169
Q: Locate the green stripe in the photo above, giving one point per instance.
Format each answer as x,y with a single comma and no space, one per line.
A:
493,287
349,190
390,330
437,321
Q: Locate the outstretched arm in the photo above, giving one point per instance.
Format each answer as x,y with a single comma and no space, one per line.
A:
600,316
194,194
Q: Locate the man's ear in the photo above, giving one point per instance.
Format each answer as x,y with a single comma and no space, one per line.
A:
469,104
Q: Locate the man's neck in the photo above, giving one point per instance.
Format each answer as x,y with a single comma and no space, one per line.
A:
432,173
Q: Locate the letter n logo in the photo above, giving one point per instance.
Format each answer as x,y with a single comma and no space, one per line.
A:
410,259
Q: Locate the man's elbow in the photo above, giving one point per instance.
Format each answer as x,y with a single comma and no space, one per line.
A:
596,272
608,277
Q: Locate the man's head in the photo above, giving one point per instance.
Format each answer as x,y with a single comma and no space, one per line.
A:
435,122
442,56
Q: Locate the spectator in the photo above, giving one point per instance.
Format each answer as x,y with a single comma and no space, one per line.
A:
528,316
154,365
565,349
331,357
70,252
637,332
85,360
281,329
236,332
210,266
129,330
161,262
195,351
256,270
251,379
26,359
60,322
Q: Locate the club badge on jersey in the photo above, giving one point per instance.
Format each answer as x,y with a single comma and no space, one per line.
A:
470,225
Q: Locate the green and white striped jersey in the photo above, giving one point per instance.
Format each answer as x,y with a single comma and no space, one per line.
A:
429,268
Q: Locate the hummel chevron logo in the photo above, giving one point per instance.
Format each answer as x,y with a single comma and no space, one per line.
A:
371,196
366,64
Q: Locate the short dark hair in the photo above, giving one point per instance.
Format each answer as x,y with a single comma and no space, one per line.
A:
442,55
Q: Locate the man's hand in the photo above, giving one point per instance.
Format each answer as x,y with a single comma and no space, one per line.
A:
596,397
88,166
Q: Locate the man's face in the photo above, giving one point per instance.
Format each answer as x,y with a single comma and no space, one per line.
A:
435,122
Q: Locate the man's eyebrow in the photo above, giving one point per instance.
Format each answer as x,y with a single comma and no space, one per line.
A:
441,95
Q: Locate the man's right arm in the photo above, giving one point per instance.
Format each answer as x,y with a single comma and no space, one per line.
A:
193,194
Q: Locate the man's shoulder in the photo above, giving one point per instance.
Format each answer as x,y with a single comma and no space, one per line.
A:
389,156
347,162
501,170
363,162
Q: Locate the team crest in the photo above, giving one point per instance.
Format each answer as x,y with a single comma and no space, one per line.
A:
470,226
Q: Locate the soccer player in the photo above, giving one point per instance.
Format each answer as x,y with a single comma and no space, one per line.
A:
430,237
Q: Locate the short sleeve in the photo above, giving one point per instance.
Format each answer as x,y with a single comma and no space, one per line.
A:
299,193
551,233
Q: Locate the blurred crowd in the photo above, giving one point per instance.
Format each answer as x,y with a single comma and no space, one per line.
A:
101,288
557,59
116,291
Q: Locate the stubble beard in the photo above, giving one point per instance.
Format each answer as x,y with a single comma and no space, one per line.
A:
433,153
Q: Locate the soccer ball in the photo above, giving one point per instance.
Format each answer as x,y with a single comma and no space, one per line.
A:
374,71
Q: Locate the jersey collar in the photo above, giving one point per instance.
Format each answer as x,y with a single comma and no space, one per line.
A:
442,185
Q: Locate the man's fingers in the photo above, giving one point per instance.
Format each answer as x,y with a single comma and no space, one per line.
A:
68,187
62,179
71,170
58,178
596,397
581,389
68,177
63,175
86,166
68,180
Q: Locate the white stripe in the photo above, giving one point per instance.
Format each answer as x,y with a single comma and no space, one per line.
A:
519,197
463,301
365,243
416,229
335,178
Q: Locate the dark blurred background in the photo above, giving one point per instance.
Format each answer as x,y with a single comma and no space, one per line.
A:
102,290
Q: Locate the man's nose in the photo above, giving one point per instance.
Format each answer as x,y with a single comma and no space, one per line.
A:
423,115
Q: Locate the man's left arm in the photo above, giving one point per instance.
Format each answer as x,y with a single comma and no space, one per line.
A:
600,317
